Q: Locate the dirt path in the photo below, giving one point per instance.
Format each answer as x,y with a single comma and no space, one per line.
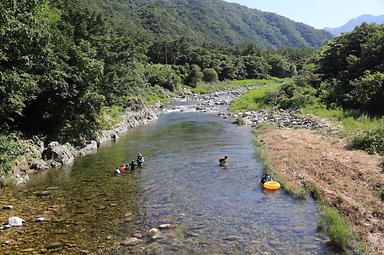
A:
348,180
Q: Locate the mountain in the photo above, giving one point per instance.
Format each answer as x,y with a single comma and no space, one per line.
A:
350,25
212,21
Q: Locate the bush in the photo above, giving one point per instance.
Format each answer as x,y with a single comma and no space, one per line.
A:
210,75
292,96
164,76
195,75
371,140
10,149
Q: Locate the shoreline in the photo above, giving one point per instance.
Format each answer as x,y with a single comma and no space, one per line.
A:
39,157
309,163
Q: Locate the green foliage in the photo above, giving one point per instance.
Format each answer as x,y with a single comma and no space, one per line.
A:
62,62
350,70
23,51
212,21
210,75
195,75
164,76
10,149
371,140
291,96
335,226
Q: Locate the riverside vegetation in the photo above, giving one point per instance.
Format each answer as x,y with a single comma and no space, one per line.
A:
69,69
342,82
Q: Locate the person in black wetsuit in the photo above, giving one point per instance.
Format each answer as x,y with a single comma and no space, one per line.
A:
266,178
133,165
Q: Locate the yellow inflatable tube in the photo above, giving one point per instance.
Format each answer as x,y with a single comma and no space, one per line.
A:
272,185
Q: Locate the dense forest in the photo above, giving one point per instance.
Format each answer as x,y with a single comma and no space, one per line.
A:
210,21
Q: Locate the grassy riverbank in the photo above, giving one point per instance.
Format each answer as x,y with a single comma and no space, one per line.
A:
312,163
203,88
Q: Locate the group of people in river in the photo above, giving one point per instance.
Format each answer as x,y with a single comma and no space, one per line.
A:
223,162
123,168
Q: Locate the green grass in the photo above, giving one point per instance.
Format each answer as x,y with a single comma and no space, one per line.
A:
203,88
352,123
254,99
332,223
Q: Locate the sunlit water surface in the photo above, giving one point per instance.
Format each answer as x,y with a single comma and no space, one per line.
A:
212,210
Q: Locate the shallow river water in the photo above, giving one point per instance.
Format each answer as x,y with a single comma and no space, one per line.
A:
211,210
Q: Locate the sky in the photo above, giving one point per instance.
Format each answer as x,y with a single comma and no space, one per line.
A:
318,13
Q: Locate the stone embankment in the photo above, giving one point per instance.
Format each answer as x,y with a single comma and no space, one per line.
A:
39,157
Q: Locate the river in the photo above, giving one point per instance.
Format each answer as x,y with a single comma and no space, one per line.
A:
211,210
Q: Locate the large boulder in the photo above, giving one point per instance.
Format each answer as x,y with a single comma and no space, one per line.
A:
90,147
21,177
63,154
39,165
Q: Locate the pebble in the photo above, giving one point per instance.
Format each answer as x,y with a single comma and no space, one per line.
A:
165,226
232,238
54,246
15,221
132,241
43,193
40,219
153,231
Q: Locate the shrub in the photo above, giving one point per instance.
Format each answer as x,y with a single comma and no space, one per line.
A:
210,75
10,149
292,96
195,75
164,76
371,140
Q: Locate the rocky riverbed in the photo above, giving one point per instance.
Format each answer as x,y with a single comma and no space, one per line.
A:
219,101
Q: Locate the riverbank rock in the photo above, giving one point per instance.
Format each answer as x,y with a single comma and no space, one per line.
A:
63,154
90,147
21,176
135,104
15,221
39,165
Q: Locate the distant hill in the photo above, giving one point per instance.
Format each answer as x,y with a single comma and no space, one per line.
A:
350,25
213,21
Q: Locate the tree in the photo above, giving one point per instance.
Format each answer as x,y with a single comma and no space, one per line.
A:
210,75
